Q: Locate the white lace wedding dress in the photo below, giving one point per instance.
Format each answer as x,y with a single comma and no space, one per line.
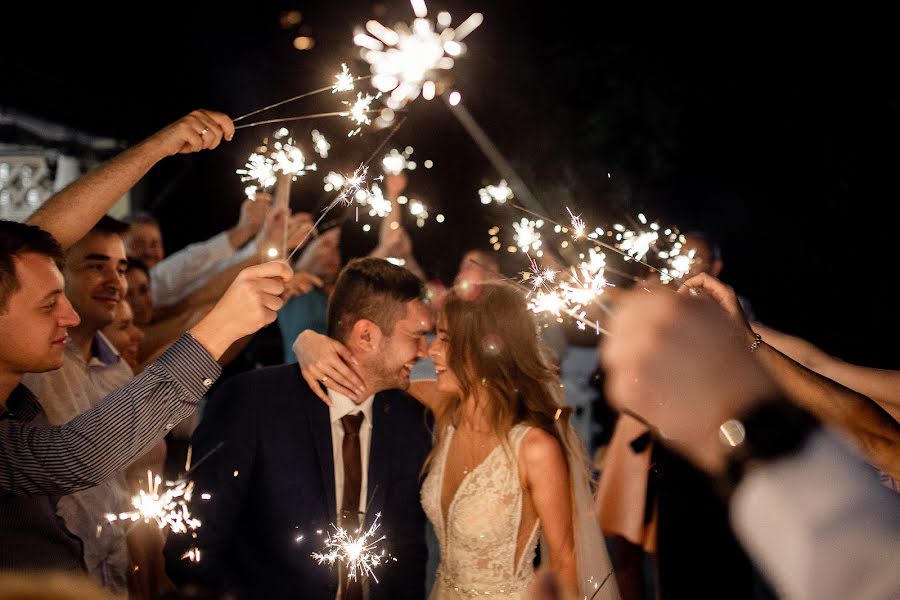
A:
479,539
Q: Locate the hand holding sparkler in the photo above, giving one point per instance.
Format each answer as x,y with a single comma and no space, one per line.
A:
253,216
199,130
250,303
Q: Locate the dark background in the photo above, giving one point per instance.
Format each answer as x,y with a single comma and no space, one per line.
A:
775,132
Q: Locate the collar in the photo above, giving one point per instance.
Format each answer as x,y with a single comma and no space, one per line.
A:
103,353
21,405
341,406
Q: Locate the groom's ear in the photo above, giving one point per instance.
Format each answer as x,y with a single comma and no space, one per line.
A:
366,335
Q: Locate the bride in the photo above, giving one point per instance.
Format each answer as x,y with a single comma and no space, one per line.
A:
506,470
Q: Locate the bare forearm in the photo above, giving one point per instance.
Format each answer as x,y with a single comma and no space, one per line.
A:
70,213
875,430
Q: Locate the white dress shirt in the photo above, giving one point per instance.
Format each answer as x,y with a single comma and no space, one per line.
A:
341,406
821,525
189,269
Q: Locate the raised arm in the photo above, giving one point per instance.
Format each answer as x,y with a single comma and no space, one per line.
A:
125,424
70,213
881,385
875,432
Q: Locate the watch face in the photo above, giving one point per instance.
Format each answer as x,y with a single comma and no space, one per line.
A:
732,433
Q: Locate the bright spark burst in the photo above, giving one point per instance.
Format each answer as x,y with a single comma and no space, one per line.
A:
637,245
334,181
406,59
577,225
168,510
395,162
320,144
359,111
259,168
527,237
499,193
359,555
250,192
355,185
288,159
343,81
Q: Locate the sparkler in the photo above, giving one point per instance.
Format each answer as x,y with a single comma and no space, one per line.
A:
499,193
359,555
407,61
396,162
320,144
262,166
168,509
343,81
359,111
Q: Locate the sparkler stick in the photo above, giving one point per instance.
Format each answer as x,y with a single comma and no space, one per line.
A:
304,95
342,113
497,159
594,241
338,199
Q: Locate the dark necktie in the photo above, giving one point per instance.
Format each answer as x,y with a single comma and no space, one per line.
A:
350,517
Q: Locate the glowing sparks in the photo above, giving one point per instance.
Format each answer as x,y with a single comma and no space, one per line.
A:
359,111
355,185
395,162
343,81
168,509
359,555
407,58
263,166
334,181
499,193
527,236
320,144
577,225
260,169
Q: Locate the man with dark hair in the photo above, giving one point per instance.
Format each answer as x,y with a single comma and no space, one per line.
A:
92,368
37,459
291,465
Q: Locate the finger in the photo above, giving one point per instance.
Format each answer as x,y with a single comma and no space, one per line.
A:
271,286
334,386
224,122
213,134
316,387
274,268
343,375
273,303
345,354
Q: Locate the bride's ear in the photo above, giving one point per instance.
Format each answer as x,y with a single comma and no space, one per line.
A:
366,335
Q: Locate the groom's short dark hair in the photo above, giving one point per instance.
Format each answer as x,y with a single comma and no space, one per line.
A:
373,289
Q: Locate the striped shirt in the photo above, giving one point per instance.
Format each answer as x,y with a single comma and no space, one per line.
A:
105,439
37,460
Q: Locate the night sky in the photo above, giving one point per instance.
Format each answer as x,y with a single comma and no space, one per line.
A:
776,133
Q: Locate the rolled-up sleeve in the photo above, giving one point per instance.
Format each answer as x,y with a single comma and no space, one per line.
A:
83,452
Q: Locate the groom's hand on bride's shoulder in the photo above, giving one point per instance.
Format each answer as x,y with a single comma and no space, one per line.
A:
327,362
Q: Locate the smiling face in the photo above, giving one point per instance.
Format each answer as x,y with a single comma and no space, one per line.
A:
36,321
95,278
144,242
389,359
439,351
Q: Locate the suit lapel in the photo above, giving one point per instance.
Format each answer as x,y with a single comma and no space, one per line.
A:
320,431
379,457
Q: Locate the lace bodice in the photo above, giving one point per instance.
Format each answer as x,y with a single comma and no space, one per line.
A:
479,539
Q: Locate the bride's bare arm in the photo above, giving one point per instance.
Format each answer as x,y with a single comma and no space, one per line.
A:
545,473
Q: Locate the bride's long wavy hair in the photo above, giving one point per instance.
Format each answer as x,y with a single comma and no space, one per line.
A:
496,355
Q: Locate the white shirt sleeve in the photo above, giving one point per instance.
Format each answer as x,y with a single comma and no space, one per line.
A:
820,525
177,275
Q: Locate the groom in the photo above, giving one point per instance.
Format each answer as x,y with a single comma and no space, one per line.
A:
291,466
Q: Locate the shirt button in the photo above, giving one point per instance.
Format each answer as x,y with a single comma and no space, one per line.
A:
169,426
207,382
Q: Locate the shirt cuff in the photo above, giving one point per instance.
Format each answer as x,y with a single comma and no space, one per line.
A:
189,364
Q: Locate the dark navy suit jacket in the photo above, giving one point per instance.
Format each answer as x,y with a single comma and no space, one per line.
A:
272,481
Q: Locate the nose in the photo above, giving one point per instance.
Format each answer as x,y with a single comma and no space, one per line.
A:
67,316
